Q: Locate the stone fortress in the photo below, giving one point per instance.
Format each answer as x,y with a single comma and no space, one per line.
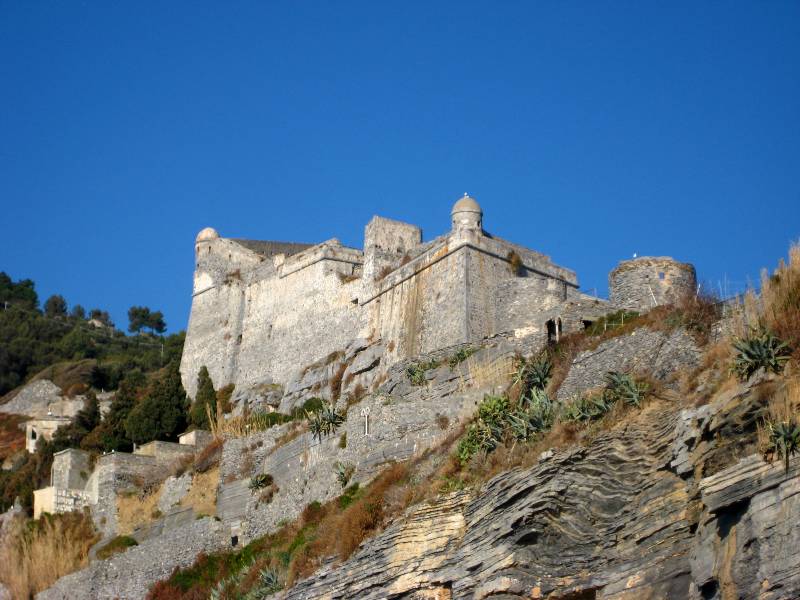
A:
286,322
263,310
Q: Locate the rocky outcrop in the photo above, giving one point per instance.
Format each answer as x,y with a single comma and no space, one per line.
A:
656,353
622,518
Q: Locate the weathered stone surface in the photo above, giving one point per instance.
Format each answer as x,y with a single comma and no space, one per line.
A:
129,575
33,398
608,521
655,353
173,490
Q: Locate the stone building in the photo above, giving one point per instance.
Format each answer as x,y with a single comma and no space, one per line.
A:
263,310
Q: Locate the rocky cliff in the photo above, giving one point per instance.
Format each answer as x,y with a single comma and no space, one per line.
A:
633,514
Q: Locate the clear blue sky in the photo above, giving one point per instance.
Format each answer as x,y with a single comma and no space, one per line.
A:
587,130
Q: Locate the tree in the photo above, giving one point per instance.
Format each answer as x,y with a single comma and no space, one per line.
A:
140,317
78,312
71,435
205,397
156,322
55,306
161,415
111,433
21,293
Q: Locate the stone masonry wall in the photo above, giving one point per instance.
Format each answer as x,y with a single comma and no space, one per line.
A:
643,283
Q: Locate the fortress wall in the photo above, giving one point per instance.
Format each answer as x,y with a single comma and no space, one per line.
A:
519,300
221,269
425,311
215,325
386,242
70,469
294,320
534,262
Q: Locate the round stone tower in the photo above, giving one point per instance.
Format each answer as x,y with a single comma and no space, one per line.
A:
467,215
649,281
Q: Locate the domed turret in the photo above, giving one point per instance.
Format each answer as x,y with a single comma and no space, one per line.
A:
467,214
207,234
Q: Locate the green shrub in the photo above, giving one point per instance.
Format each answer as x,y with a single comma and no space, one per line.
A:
115,546
761,350
460,356
416,372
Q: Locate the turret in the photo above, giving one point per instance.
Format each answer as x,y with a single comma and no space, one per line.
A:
649,281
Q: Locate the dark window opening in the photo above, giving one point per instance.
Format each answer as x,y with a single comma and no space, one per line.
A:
551,331
234,541
587,324
661,275
33,434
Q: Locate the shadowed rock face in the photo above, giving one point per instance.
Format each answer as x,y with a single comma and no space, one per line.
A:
612,520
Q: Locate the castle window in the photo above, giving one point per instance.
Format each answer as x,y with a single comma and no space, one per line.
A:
661,274
587,324
33,434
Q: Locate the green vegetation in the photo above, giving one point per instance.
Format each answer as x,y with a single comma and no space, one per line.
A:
460,356
760,350
115,546
259,482
205,401
141,317
324,422
416,372
162,414
784,437
622,386
33,339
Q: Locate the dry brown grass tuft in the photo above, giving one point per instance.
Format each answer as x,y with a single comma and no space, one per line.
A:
782,406
136,509
202,496
34,557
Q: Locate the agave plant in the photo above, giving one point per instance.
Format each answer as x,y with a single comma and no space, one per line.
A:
785,438
621,386
539,372
259,481
586,408
343,473
324,422
761,350
266,585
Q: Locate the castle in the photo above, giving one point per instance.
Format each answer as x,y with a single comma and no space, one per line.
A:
262,310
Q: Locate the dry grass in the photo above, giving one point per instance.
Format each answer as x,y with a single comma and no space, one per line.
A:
777,308
336,382
136,509
783,406
34,557
202,496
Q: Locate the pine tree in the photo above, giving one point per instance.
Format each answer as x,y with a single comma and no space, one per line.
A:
206,396
161,415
